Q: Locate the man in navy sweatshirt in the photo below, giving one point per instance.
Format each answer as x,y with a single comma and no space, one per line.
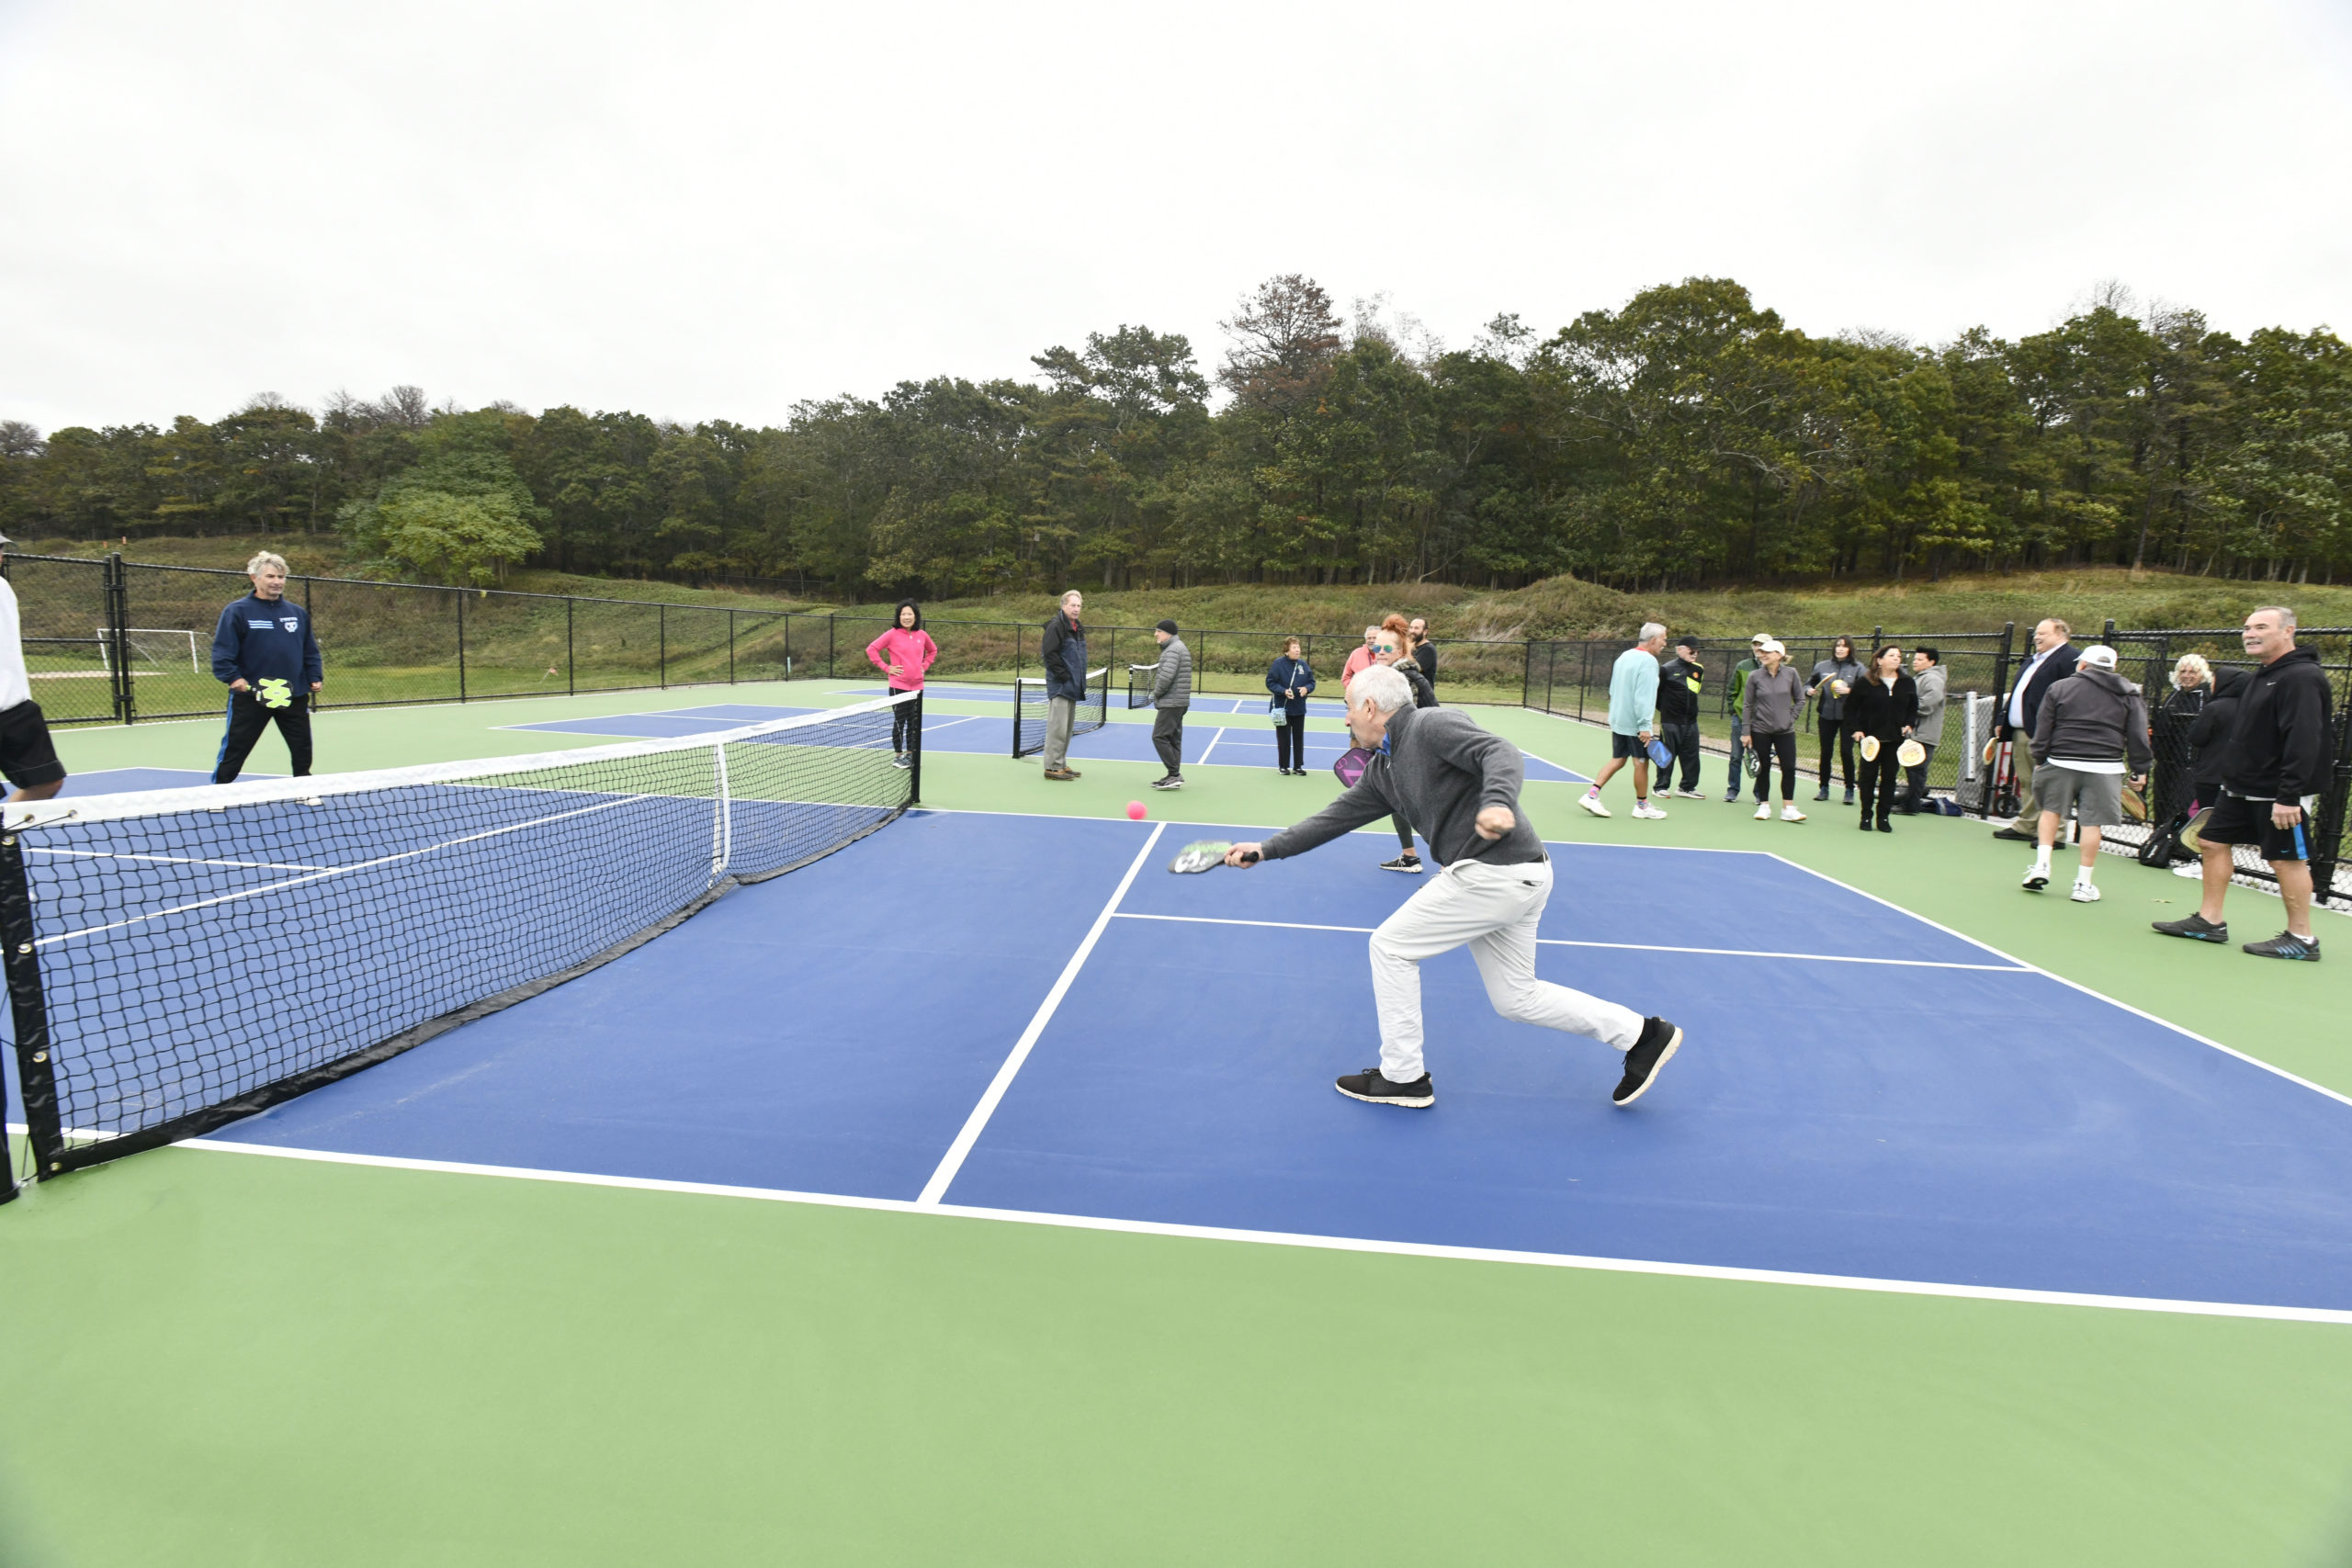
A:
264,652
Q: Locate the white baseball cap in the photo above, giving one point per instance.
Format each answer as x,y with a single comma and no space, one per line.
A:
1769,644
2099,656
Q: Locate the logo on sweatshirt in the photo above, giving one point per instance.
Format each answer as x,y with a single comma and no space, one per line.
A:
291,624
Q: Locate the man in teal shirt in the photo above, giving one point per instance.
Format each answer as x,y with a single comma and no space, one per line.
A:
1632,719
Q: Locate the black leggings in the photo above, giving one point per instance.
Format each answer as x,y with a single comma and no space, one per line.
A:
906,718
1290,743
1784,746
1878,774
249,720
1403,834
1835,729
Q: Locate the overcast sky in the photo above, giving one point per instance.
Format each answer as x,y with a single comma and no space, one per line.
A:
701,210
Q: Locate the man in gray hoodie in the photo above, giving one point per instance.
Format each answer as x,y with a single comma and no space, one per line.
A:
1460,785
2093,726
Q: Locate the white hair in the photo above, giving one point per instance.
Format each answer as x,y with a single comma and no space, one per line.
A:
265,559
2195,663
1071,594
2286,617
1381,686
1651,632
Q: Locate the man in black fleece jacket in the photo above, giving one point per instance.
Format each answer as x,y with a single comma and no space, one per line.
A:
1460,785
2277,764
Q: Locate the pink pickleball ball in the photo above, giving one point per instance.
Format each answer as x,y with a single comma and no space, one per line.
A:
1135,811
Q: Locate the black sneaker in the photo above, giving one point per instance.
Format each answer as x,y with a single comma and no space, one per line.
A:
1409,865
2197,928
1660,1039
2286,944
2014,835
1850,795
1370,1086
1821,793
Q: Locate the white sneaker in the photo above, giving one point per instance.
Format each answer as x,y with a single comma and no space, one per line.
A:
1643,809
2084,893
1689,793
2191,870
1591,803
1790,813
2037,877
1763,811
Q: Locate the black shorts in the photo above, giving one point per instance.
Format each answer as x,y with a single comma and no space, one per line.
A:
28,757
2237,820
1627,746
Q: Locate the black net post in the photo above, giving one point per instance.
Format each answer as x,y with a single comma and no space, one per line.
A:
116,579
36,1074
914,749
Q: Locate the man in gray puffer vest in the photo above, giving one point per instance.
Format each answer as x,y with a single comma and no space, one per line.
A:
1171,695
1460,786
2092,729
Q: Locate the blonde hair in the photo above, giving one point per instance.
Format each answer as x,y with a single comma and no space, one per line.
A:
2195,663
265,559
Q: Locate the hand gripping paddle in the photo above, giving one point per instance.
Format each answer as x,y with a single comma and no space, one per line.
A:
1202,854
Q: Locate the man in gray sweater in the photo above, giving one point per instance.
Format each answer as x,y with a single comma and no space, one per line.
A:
1172,695
1460,785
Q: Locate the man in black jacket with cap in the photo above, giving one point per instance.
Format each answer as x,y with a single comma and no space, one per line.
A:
2277,760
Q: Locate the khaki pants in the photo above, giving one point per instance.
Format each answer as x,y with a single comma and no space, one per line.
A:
1060,714
2021,761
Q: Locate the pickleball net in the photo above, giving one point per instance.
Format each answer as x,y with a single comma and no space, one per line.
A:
178,959
1032,709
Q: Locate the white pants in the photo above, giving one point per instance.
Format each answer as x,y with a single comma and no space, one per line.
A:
1493,908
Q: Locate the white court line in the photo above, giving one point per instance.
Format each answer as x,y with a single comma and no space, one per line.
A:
1627,947
1317,1243
2078,985
1204,758
952,1161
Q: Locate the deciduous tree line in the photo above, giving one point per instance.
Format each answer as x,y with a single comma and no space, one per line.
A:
1687,437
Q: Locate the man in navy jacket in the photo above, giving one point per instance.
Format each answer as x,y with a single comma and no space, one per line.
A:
2054,658
264,652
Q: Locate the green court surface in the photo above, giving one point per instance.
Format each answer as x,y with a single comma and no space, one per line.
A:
225,1358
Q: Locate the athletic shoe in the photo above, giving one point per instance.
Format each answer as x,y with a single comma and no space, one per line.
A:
1591,803
2037,877
1691,793
2196,927
1764,810
2286,944
2084,893
1171,782
1849,797
2193,870
1788,812
1059,775
1643,809
1659,1041
1409,865
1884,826
1821,793
1373,1090
902,761
1731,794
2015,834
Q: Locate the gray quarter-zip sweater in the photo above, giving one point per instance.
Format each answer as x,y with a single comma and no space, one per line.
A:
1440,770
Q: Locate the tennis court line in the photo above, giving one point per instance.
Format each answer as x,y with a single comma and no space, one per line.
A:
2077,986
1628,946
1204,758
1300,1240
961,1149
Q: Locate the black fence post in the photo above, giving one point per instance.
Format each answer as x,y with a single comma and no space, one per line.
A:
661,647
36,1074
571,668
461,645
2332,807
731,648
830,672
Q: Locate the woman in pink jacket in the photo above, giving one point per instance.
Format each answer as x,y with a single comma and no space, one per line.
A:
903,653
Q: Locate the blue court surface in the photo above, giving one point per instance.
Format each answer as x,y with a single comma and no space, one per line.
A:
1861,1094
1211,739
129,781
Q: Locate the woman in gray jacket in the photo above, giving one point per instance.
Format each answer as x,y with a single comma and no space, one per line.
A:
1773,698
1832,679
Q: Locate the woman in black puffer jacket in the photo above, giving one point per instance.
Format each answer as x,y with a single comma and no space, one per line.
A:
1883,705
2208,736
